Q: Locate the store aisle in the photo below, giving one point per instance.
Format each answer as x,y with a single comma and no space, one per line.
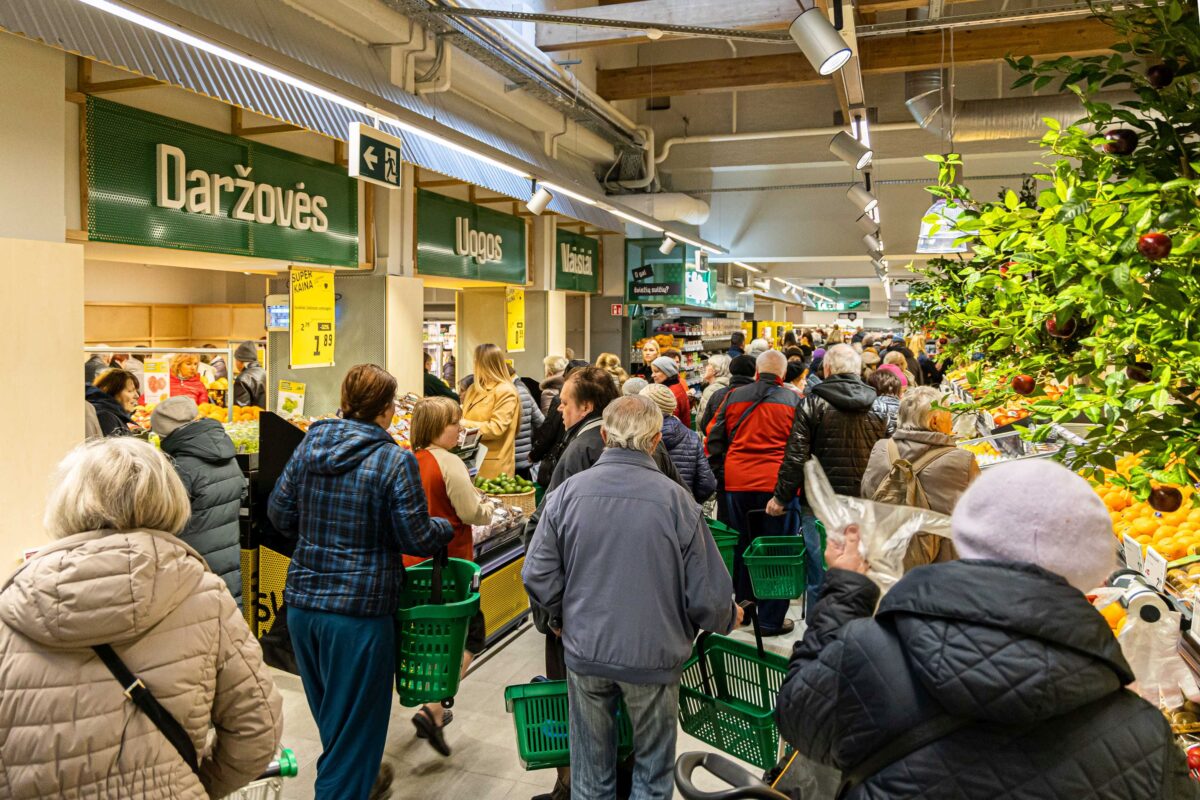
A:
484,763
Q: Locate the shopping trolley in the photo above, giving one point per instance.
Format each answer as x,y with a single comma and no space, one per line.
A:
742,784
269,785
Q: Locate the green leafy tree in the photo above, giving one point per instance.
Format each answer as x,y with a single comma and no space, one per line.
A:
1095,284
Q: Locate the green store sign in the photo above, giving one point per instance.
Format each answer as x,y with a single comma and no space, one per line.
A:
456,239
159,182
577,263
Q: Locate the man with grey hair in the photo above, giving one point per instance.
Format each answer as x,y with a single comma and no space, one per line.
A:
837,424
746,442
757,347
623,560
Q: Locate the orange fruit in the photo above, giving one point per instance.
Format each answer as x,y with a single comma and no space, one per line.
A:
1142,525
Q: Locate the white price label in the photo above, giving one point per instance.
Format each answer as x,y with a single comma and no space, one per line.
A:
1133,553
1155,568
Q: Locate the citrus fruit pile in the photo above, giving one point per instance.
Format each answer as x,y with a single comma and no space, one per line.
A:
1174,534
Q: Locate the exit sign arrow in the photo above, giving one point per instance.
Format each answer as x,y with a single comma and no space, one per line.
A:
374,156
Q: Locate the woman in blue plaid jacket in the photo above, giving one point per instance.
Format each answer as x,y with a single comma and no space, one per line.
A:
354,501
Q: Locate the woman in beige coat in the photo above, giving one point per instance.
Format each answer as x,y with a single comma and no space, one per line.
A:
924,432
118,575
492,405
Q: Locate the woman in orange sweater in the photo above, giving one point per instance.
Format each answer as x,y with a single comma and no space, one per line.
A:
436,425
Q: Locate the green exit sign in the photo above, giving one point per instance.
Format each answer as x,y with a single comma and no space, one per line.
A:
374,155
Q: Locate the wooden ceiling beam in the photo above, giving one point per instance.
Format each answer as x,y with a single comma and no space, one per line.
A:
882,55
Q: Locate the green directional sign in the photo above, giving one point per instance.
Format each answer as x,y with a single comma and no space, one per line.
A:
374,155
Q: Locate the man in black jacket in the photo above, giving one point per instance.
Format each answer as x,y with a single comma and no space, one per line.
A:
990,677
838,425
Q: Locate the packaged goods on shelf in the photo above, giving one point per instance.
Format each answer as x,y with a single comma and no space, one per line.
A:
1010,446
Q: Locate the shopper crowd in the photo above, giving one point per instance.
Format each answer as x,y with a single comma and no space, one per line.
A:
984,672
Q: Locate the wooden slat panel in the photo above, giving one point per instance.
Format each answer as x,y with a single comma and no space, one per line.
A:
211,322
249,322
879,55
116,324
170,322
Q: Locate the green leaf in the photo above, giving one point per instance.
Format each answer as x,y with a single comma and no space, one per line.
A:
1011,201
1042,82
934,158
1024,80
1052,123
1056,237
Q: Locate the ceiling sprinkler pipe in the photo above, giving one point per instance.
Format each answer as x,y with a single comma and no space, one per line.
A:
797,133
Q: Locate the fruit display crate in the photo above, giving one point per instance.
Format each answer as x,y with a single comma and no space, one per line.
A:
1002,448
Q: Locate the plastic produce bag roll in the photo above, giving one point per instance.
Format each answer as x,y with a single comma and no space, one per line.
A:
886,529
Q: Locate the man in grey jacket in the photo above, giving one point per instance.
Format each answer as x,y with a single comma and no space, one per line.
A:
624,562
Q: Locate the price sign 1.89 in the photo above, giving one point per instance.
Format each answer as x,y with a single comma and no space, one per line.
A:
313,326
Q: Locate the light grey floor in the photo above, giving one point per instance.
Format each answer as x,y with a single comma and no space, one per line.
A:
483,765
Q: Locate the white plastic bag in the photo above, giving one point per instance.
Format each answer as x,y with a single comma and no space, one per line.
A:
886,529
1151,648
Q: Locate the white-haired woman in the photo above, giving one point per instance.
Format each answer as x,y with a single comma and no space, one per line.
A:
716,377
551,387
924,439
119,585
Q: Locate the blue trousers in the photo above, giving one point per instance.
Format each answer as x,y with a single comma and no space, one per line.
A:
653,709
814,554
348,666
747,517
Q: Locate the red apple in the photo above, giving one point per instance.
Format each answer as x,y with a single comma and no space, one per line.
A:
1160,76
1065,331
1005,267
1023,384
1166,499
1120,142
1154,245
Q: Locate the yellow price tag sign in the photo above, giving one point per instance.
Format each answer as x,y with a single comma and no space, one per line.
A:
313,322
514,314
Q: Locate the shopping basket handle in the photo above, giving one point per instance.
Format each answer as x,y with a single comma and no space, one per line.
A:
743,785
435,589
752,610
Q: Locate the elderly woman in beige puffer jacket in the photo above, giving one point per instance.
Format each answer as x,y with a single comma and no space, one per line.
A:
119,576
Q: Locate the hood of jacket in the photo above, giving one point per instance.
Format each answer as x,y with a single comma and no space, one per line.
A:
1003,641
673,432
845,392
336,446
106,402
721,381
204,439
740,380
555,383
100,587
927,438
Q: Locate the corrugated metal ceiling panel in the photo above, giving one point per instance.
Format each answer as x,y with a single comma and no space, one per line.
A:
77,28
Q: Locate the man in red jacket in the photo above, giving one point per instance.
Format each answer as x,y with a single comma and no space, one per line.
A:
748,439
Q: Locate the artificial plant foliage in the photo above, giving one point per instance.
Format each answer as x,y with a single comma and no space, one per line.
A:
1069,262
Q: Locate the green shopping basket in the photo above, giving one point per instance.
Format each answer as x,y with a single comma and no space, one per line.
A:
727,696
726,539
776,567
540,715
436,608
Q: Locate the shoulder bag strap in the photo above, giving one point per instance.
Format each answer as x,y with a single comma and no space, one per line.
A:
893,452
928,732
136,691
737,425
932,455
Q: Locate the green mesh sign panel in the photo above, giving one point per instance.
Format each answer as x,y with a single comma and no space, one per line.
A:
576,263
652,278
456,239
159,182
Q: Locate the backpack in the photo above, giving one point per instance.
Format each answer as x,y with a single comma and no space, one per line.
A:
902,486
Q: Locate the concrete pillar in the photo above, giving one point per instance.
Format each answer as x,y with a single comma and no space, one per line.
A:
556,323
42,311
480,317
405,312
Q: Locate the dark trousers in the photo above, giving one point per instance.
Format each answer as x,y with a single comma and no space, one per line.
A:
747,516
348,666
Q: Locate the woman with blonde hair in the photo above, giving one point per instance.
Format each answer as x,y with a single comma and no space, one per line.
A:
119,595
650,351
492,405
436,426
185,378
612,365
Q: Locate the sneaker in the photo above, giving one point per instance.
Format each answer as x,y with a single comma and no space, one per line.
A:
787,627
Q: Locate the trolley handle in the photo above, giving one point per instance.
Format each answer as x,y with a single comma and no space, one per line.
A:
285,766
744,786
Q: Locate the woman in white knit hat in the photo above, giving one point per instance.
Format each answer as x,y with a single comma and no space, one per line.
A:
683,445
664,370
987,677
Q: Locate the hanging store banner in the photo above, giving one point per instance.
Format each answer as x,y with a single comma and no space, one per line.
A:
456,239
313,317
514,316
159,182
577,263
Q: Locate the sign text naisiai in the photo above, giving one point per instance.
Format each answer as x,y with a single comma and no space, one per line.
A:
201,192
574,260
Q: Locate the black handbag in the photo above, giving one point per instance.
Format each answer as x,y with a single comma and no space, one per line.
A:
136,691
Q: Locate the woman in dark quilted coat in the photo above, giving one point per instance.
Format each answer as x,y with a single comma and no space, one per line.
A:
683,445
204,458
986,678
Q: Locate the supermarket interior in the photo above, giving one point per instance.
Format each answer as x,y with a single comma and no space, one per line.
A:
802,397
